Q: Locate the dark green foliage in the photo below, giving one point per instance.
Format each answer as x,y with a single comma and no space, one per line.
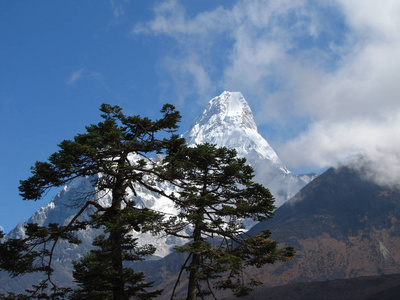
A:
105,154
15,258
34,254
97,280
97,274
104,149
216,195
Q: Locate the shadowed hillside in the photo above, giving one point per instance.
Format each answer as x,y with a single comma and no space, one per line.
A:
341,225
385,287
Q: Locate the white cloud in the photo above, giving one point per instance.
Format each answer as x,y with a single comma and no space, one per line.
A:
82,74
75,76
248,43
334,64
188,74
327,143
355,108
371,18
170,18
1,228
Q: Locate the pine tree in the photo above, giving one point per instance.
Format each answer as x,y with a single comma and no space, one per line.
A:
104,154
97,280
216,195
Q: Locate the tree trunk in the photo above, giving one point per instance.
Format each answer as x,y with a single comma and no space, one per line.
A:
193,277
195,263
117,265
116,236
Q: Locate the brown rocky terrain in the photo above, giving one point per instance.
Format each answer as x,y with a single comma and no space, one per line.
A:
341,225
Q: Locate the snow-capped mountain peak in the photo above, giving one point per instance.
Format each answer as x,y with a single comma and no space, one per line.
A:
228,122
228,109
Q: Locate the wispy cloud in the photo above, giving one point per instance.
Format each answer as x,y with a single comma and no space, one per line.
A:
83,74
331,65
117,8
170,18
75,76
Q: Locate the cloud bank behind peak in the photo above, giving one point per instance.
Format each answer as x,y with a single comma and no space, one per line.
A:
324,75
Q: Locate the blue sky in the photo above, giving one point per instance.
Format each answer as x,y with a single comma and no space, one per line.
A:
320,76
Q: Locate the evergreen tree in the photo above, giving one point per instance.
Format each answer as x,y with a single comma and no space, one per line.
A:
95,278
216,195
104,153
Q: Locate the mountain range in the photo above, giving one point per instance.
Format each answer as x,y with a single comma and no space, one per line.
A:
228,122
341,224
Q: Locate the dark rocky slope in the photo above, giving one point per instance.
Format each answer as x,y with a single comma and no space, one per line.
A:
341,225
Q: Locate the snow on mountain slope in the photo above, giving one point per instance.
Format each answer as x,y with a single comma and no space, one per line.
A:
227,121
63,208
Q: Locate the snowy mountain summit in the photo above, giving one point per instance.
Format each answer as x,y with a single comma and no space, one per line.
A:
228,122
229,111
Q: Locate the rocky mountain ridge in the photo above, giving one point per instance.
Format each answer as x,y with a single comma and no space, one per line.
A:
341,225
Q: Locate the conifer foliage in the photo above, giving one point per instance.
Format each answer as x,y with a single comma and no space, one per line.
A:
216,195
104,153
